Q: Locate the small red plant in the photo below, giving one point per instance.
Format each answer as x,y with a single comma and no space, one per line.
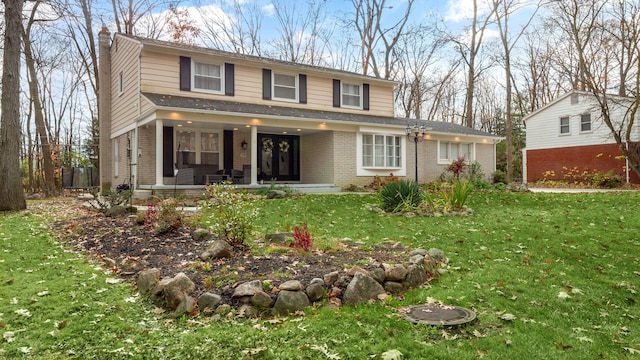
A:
302,238
151,216
457,167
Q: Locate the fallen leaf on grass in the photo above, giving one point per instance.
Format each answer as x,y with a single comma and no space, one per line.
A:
563,295
584,339
508,317
324,350
391,355
632,351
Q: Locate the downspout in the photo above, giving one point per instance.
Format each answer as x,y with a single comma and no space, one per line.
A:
626,163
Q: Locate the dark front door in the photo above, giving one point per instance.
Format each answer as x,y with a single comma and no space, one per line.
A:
278,157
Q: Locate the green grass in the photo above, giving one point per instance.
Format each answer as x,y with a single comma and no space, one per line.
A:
563,267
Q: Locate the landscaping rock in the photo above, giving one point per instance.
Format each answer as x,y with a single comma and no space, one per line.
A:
394,272
429,264
362,288
116,211
276,194
343,281
201,234
262,300
317,281
416,276
186,306
422,252
416,259
291,285
219,249
174,290
393,287
248,311
357,269
377,274
147,281
278,238
331,278
314,291
208,301
249,288
223,309
437,255
290,301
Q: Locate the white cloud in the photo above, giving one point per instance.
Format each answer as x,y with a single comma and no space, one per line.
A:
269,10
461,10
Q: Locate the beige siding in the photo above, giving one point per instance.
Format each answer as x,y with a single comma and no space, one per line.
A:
485,156
344,160
124,105
160,73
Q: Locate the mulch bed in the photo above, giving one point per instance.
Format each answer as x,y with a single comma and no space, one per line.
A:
126,248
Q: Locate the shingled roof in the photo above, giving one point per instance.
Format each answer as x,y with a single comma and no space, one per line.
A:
247,109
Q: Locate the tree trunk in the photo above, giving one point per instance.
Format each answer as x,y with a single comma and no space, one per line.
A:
11,191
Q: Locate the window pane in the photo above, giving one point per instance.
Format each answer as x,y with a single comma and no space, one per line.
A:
207,76
348,100
585,122
209,142
284,93
444,151
454,152
207,83
564,125
350,95
284,80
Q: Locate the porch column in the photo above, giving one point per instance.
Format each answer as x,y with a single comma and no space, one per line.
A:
159,133
254,155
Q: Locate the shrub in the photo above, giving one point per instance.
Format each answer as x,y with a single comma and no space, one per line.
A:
403,195
474,171
450,198
302,238
163,215
606,180
500,177
109,199
457,167
233,213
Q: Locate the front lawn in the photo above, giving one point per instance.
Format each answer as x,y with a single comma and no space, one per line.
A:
550,275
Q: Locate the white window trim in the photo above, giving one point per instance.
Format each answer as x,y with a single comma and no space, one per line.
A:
193,77
458,144
198,149
590,124
342,84
560,133
273,86
361,170
120,83
116,157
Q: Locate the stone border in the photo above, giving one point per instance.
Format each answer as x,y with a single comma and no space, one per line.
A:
350,287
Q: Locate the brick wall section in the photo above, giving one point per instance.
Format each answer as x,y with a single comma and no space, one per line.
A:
146,162
317,158
596,157
344,158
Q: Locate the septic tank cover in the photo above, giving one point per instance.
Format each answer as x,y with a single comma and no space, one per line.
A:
439,314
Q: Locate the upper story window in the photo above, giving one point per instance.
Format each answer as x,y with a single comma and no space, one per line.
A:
351,95
585,122
120,83
450,151
285,86
564,125
207,77
381,151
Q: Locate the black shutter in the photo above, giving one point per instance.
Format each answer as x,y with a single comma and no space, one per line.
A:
228,79
167,151
185,73
266,84
302,81
365,96
336,93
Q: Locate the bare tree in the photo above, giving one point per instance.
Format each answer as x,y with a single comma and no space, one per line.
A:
377,43
11,192
127,14
232,26
503,10
182,28
469,47
301,31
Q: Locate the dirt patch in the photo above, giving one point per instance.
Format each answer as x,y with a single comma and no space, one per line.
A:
126,248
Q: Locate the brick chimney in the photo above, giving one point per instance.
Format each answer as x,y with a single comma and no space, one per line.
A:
104,109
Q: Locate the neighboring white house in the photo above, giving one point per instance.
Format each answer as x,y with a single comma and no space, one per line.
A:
569,135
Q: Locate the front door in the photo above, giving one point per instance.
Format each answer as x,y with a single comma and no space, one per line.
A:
278,157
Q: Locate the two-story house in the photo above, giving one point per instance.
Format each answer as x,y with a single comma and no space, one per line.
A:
168,109
569,135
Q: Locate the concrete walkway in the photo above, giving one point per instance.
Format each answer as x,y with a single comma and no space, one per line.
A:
575,190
